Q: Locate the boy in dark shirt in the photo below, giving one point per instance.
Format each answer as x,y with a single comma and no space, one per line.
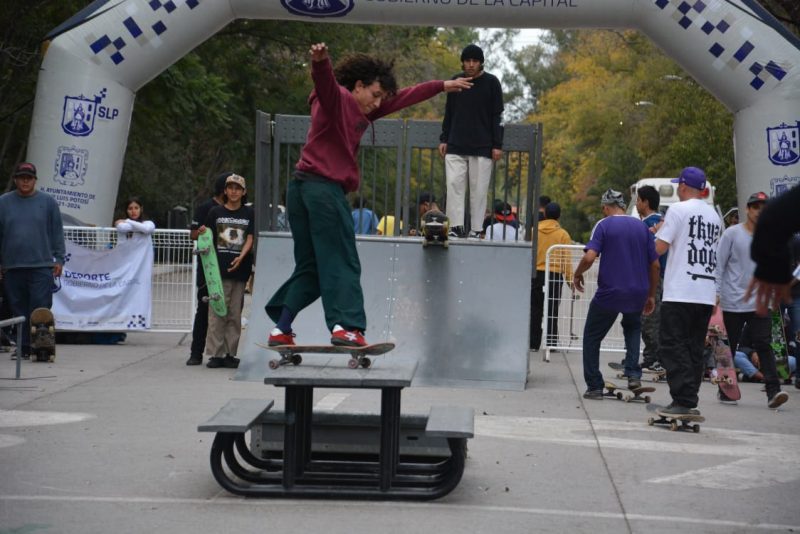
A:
232,225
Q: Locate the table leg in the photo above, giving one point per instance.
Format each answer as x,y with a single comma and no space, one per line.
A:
297,432
390,435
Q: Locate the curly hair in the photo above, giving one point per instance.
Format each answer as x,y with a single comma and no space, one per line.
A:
367,69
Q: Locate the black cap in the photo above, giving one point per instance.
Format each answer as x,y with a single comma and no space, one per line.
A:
425,197
472,51
756,198
552,211
219,183
25,169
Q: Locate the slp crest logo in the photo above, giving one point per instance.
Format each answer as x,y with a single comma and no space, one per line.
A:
782,144
80,113
318,8
71,165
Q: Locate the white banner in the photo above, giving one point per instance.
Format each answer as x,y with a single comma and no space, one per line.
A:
106,290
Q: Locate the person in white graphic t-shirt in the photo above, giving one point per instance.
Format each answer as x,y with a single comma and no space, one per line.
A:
690,231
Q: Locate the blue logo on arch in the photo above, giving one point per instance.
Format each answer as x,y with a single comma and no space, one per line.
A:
318,8
783,143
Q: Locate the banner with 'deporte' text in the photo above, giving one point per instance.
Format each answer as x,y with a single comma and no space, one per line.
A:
108,289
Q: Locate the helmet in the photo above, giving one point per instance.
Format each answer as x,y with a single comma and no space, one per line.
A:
613,197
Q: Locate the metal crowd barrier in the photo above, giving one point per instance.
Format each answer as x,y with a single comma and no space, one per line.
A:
173,282
573,306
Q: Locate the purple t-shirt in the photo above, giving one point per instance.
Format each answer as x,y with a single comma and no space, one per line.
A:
626,251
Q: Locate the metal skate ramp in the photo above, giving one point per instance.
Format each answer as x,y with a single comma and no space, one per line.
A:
461,312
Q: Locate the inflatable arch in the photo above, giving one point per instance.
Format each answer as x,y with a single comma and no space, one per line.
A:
97,60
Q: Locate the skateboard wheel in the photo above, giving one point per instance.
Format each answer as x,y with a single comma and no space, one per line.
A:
446,244
365,362
273,364
651,421
619,395
352,363
647,399
673,425
297,359
695,428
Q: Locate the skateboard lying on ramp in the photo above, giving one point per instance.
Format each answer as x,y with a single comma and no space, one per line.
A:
358,355
647,374
208,258
435,226
675,422
724,375
43,336
613,390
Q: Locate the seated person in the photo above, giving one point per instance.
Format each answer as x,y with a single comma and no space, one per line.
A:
505,226
747,360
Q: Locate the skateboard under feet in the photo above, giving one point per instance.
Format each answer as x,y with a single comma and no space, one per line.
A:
647,374
686,423
359,356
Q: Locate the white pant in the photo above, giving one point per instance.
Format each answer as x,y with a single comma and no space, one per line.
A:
479,171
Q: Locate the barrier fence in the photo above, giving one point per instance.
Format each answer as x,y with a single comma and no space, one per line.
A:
572,306
173,286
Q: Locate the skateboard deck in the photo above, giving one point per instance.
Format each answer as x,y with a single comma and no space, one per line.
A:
358,355
43,336
435,226
779,347
688,422
647,374
613,390
208,258
724,375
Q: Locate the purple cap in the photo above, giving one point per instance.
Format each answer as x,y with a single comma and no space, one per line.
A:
693,177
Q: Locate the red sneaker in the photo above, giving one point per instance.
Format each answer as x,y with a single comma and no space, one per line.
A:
277,337
347,338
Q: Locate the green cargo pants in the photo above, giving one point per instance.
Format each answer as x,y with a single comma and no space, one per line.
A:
325,256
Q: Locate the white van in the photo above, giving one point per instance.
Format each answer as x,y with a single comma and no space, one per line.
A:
668,192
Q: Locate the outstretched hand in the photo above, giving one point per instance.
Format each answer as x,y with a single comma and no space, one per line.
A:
457,85
319,52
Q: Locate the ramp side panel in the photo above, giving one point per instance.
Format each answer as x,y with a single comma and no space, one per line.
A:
462,312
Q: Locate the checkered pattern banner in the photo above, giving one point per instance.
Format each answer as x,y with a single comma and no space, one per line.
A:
138,28
729,49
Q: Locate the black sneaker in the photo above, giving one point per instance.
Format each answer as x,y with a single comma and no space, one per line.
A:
214,362
593,394
24,356
194,360
675,409
457,231
724,399
230,362
778,399
634,383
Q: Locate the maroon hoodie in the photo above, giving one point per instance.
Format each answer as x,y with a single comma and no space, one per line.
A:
337,124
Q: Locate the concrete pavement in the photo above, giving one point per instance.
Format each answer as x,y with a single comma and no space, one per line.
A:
105,440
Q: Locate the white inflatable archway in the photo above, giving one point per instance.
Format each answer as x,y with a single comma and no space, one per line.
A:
97,60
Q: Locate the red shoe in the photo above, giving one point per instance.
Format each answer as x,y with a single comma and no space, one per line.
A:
277,337
347,338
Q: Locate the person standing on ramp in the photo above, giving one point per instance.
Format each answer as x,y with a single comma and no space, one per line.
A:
344,103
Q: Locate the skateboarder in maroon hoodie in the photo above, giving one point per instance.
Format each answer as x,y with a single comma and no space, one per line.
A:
344,103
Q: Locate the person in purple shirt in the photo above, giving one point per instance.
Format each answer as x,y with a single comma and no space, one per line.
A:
626,284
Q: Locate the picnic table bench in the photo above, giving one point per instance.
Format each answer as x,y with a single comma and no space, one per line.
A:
299,452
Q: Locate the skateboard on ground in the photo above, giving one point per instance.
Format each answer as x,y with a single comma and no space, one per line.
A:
613,390
358,355
43,336
435,226
647,374
724,375
779,348
674,422
208,258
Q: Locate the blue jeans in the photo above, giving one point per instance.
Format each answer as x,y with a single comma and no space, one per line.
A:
741,361
26,290
598,322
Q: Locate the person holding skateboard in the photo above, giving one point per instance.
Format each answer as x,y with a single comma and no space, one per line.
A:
626,284
734,269
200,323
232,225
31,248
344,102
690,233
